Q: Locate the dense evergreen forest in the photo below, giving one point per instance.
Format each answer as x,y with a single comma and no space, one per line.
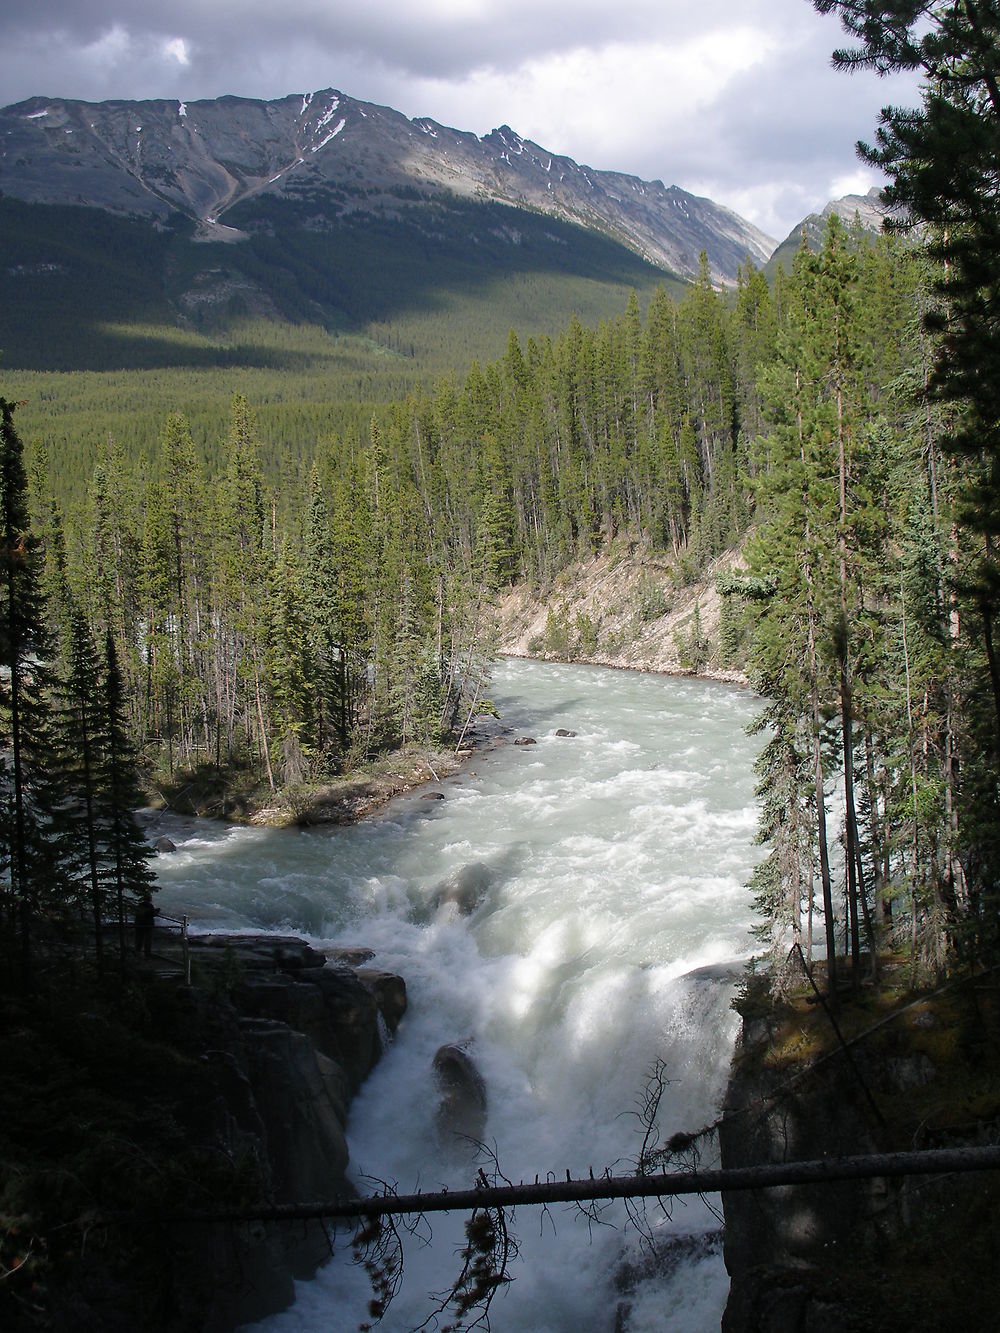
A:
286,614
107,325
873,568
283,599
291,620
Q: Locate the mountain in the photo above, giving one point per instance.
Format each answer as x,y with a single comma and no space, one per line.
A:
867,209
213,161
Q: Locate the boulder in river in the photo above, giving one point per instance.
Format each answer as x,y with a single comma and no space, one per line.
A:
353,957
561,731
465,887
525,740
728,971
461,1112
165,844
389,991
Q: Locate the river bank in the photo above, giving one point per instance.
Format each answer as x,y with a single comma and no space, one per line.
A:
914,1071
625,609
340,800
629,611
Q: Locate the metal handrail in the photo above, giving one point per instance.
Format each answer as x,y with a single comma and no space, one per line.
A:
160,921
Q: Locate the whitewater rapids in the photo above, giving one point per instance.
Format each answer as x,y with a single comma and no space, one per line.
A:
612,866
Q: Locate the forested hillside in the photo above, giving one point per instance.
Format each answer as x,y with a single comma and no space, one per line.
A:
107,325
284,611
359,569
231,575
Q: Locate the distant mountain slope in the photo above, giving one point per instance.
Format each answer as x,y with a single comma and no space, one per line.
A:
341,157
414,295
868,209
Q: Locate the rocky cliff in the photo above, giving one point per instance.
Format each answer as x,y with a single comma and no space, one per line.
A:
289,1035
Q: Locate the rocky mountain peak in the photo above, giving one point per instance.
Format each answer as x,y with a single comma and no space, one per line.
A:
201,158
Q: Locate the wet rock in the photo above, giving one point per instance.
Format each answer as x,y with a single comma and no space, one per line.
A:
461,1112
389,991
350,1034
525,740
288,1038
725,972
285,980
298,1092
433,796
280,999
269,953
352,957
466,887
165,845
561,731
780,1244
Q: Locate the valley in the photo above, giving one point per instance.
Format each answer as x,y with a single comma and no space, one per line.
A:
316,423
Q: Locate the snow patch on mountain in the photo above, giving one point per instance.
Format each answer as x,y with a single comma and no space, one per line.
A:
328,114
332,135
234,149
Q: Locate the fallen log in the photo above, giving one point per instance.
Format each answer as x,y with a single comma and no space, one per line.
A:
932,1161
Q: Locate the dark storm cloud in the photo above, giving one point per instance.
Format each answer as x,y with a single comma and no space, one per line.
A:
436,39
428,40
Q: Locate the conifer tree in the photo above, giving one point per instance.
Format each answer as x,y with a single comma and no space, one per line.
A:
942,159
328,655
80,724
26,653
288,661
244,555
125,853
796,527
113,588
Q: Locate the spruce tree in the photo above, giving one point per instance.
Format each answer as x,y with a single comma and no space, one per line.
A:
244,544
288,671
328,656
942,159
26,652
125,853
80,727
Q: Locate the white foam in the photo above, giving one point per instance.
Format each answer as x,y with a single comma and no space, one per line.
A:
615,864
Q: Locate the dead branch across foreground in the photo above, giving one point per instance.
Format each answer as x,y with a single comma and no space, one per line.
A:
934,1161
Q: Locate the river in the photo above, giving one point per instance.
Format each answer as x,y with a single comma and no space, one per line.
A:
614,864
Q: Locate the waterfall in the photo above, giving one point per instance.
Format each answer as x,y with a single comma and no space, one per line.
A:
605,920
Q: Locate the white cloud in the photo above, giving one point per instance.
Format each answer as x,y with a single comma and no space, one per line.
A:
595,104
109,50
855,182
176,48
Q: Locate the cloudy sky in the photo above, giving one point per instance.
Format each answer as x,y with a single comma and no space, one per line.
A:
734,99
